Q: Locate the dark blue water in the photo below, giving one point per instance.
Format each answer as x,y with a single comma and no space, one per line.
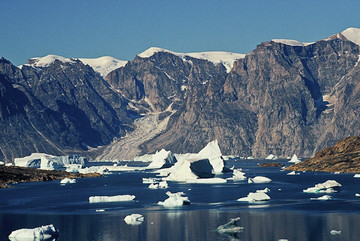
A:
290,214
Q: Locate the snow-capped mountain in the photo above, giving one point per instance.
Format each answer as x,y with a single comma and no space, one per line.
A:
283,97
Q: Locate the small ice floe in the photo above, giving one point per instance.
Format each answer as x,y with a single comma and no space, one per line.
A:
238,175
255,197
330,186
325,197
231,227
293,173
100,210
67,180
295,159
357,175
151,180
259,179
215,180
175,199
266,190
134,219
335,232
39,233
271,157
160,185
117,198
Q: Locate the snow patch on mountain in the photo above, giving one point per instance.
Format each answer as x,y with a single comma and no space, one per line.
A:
216,57
352,34
104,65
291,42
47,60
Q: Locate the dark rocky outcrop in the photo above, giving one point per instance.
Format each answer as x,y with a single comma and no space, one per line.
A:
12,174
273,164
344,156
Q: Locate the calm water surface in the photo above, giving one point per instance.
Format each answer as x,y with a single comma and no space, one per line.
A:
290,214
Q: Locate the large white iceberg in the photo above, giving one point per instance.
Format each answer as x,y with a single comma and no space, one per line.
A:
329,186
117,198
49,162
295,159
134,219
271,157
175,199
162,159
190,166
39,233
255,197
259,179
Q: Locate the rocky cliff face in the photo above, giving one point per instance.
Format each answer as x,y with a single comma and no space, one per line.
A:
57,109
281,98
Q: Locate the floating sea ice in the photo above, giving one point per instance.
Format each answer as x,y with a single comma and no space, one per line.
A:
357,175
118,198
325,197
215,180
230,227
294,159
100,210
67,180
161,185
266,190
134,219
259,179
335,232
293,173
255,197
151,180
39,233
271,157
329,186
238,175
357,194
175,199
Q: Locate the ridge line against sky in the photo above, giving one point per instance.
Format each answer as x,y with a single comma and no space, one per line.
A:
123,29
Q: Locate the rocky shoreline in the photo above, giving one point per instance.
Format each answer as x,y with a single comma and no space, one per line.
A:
344,157
13,174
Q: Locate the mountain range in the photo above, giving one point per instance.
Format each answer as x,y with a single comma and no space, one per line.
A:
282,98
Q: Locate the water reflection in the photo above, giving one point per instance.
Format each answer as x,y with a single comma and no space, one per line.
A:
191,225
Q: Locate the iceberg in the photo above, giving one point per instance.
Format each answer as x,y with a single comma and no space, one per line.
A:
216,180
255,197
151,180
161,185
335,232
238,175
118,198
357,175
295,159
49,162
39,233
329,186
271,157
67,180
265,190
134,219
259,179
175,200
325,197
293,173
230,227
162,159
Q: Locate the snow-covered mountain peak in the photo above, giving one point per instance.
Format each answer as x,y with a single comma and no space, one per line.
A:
291,42
225,58
352,34
47,60
103,65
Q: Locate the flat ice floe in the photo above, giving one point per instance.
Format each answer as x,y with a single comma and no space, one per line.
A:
259,179
175,200
293,173
134,219
67,180
215,180
160,185
255,197
325,197
40,233
329,186
117,198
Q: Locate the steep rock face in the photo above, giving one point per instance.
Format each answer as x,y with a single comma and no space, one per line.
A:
57,109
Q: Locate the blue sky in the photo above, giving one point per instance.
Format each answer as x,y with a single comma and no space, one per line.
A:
124,28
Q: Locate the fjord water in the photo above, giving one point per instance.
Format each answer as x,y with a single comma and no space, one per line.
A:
290,214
